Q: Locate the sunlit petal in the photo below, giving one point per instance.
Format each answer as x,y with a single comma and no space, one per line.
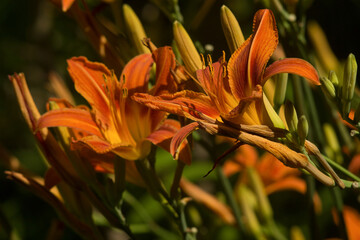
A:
295,66
69,117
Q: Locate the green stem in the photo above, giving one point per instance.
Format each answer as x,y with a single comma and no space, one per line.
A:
174,192
143,213
189,234
342,169
228,191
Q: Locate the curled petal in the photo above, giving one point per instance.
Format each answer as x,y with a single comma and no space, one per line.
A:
193,105
294,66
179,139
69,117
162,137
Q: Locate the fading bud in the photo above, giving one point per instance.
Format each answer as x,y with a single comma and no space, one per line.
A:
188,52
232,31
349,79
302,129
327,87
291,116
280,88
333,78
135,30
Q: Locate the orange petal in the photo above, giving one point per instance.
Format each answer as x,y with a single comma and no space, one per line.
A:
136,74
263,44
190,104
89,78
207,200
290,183
294,66
354,165
179,140
69,117
66,4
352,222
248,62
162,137
165,63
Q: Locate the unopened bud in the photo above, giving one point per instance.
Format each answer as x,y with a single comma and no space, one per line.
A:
302,129
188,52
135,29
333,142
232,31
280,88
291,116
274,117
296,233
327,87
333,78
349,79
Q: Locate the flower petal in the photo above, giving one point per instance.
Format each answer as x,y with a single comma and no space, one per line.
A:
179,140
162,137
69,117
207,200
290,183
89,78
193,105
136,74
294,66
165,63
66,4
248,62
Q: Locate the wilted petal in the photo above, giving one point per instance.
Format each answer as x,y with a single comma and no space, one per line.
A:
294,66
162,137
69,117
190,104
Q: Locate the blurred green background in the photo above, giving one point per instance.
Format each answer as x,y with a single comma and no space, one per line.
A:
36,38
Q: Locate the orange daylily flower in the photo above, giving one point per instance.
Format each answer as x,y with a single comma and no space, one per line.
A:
275,175
233,90
115,123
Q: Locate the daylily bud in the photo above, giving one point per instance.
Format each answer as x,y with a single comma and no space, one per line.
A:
135,29
349,79
328,87
280,88
302,129
291,116
296,233
348,84
231,28
333,78
188,52
264,205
